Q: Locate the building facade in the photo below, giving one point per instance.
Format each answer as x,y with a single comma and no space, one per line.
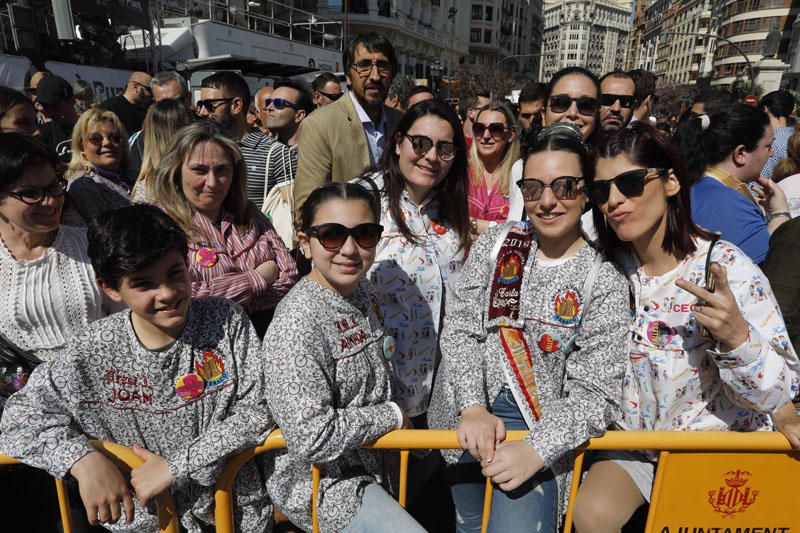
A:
586,33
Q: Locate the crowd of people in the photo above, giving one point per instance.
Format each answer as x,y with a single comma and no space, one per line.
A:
185,277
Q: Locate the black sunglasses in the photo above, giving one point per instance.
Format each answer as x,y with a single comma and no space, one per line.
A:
280,103
496,129
34,196
331,96
97,138
560,103
332,236
564,188
629,183
212,103
608,100
421,145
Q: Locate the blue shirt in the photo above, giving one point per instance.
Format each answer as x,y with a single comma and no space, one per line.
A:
720,209
376,134
778,150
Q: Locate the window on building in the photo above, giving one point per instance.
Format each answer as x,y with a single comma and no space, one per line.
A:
475,35
487,36
477,12
489,13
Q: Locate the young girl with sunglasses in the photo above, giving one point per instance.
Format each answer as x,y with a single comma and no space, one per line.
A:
533,339
329,378
709,347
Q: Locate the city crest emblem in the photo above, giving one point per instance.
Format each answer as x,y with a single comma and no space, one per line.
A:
566,307
510,269
212,369
735,497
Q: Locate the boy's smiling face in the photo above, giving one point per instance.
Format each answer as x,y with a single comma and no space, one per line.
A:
158,297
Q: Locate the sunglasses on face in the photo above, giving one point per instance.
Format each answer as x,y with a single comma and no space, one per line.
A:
564,188
97,138
280,103
527,116
211,104
630,184
365,66
560,103
34,196
331,96
496,129
608,100
421,145
332,236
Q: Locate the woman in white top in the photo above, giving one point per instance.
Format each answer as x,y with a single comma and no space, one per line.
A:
787,174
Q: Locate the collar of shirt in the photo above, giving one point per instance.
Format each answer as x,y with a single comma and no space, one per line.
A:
731,182
376,135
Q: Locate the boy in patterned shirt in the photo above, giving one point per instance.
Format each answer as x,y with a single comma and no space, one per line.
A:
173,377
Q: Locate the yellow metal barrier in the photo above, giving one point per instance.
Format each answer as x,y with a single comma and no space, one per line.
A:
167,514
685,455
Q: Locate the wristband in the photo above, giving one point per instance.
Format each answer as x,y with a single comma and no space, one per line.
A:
773,216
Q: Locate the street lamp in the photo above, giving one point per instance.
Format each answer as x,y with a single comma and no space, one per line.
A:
436,76
733,44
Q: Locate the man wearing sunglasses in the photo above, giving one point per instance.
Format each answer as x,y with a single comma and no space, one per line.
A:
224,100
131,106
291,102
616,100
337,142
327,89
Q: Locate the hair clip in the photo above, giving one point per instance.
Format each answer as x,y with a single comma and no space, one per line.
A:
705,121
565,129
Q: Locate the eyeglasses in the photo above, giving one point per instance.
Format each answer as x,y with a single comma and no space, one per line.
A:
608,100
365,66
564,188
331,96
630,184
560,103
143,86
97,138
211,104
34,196
496,129
332,236
421,145
280,103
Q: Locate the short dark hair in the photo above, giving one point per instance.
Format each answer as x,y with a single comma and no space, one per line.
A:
401,88
129,239
322,80
337,191
305,98
230,83
779,103
532,92
9,98
374,43
645,82
419,89
19,153
649,148
713,100
621,74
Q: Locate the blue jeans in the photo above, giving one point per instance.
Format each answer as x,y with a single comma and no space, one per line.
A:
532,507
380,512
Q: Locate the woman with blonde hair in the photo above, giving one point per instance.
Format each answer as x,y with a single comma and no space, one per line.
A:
162,122
97,173
493,153
234,252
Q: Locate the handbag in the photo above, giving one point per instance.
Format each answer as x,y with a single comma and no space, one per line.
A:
278,203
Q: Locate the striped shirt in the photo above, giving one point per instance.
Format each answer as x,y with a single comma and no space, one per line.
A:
222,262
257,149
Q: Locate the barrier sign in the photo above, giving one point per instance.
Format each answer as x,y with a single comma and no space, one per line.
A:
726,493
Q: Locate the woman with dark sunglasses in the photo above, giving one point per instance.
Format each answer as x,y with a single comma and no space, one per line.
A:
533,339
709,349
328,371
571,97
494,151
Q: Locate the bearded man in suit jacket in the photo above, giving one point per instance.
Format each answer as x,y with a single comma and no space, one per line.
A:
339,141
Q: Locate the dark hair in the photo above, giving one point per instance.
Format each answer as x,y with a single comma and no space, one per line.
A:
305,99
779,103
337,191
452,191
230,83
19,153
401,89
419,89
373,42
562,142
735,125
647,147
129,239
322,80
564,72
482,93
621,74
532,91
9,98
645,82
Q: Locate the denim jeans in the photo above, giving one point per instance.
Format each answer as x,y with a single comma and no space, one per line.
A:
380,512
532,507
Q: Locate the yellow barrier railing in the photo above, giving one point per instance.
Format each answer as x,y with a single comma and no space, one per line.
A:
167,514
404,440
